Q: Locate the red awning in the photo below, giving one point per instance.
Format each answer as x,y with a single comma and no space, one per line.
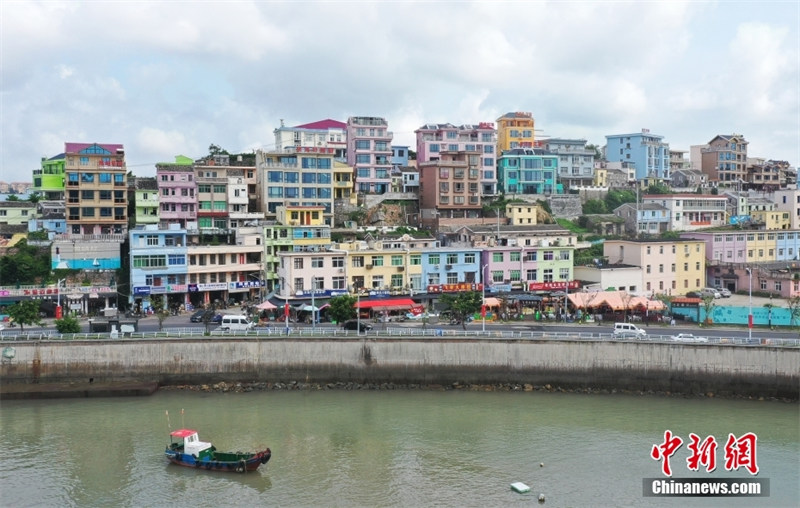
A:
400,303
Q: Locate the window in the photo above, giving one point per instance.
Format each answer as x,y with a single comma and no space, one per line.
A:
397,260
452,259
298,264
531,275
547,275
377,261
317,262
358,261
337,262
515,255
416,259
497,257
548,255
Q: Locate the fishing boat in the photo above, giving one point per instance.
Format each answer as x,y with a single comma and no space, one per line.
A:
186,449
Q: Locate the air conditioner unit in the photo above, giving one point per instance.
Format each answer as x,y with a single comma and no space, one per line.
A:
369,267
435,267
401,268
341,270
448,267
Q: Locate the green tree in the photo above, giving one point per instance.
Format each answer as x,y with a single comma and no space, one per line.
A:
462,305
25,312
68,324
25,264
342,308
658,188
157,301
34,197
594,206
708,306
793,304
615,198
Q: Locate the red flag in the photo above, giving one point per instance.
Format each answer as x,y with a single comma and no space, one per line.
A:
286,310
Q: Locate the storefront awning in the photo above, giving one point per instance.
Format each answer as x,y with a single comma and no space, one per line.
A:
395,303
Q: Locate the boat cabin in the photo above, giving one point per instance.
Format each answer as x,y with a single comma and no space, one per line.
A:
190,441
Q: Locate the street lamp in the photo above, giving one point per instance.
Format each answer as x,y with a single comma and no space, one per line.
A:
59,313
358,309
483,296
750,314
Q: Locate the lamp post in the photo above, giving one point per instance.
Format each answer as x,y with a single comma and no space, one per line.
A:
313,307
483,297
358,309
285,288
750,314
59,313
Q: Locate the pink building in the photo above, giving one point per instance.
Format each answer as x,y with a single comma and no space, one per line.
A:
177,191
433,139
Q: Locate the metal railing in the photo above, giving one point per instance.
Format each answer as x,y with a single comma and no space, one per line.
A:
277,332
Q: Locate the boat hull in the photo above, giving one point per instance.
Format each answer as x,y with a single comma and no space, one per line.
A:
221,462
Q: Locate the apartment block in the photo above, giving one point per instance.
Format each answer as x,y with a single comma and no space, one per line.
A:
321,134
575,161
672,267
515,130
433,139
97,200
298,177
145,200
369,152
648,152
528,171
724,159
49,181
158,265
177,189
691,211
450,185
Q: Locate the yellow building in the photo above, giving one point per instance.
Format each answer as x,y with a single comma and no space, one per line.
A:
515,130
671,267
343,182
761,246
600,177
522,214
771,219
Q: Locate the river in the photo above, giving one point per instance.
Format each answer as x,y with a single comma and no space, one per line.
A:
382,448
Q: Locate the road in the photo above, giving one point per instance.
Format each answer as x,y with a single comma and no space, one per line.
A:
150,324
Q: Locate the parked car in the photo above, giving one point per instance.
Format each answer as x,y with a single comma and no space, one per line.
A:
217,319
693,294
629,330
353,324
724,292
197,317
688,337
706,292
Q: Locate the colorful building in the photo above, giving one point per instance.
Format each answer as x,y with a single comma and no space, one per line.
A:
434,139
528,171
145,200
671,267
321,134
648,152
691,211
369,152
177,189
450,186
158,265
49,181
575,161
515,130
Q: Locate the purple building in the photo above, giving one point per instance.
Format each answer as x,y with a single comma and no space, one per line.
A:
369,151
177,191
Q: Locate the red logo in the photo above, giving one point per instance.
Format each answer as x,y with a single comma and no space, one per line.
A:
739,452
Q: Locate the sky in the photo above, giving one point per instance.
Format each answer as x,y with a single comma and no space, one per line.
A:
173,77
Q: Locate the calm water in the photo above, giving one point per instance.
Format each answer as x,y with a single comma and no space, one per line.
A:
404,448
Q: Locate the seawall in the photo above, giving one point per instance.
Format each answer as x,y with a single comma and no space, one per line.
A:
721,369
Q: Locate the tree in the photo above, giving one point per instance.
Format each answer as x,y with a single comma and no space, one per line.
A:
658,188
615,198
12,197
208,316
342,308
157,301
596,149
25,312
593,206
216,150
462,305
34,197
68,324
793,304
708,306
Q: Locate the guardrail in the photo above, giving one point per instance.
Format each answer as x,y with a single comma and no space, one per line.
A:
411,333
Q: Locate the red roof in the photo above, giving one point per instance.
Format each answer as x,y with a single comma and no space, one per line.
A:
182,433
77,147
391,302
323,125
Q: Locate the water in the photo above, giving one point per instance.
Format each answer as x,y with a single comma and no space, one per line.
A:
400,448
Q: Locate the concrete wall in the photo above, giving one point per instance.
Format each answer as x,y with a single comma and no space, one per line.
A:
761,371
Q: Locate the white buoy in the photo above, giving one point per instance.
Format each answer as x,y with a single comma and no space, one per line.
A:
541,464
541,498
520,487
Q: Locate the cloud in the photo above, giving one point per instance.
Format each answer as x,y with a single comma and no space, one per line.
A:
152,74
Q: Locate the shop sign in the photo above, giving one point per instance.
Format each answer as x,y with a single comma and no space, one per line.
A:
455,288
553,286
141,290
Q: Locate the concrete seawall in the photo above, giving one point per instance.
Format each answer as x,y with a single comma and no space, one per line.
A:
721,369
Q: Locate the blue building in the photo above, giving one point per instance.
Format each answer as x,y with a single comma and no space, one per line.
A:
399,155
451,269
646,151
158,265
528,171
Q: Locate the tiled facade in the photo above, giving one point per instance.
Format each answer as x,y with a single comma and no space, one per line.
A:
369,152
451,184
433,139
177,191
528,171
724,158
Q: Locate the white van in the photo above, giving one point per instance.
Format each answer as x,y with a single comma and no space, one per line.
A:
629,330
235,323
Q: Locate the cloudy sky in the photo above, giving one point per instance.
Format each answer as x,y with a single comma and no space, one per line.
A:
169,78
